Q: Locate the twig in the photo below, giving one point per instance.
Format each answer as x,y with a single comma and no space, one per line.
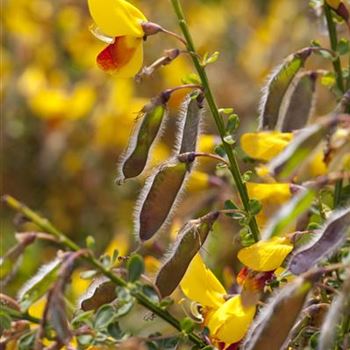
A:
48,227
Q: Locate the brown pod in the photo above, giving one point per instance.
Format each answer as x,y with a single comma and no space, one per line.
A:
190,128
158,197
190,239
271,329
276,88
146,132
299,103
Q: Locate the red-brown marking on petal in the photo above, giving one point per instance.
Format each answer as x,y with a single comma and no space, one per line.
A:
115,55
242,275
253,280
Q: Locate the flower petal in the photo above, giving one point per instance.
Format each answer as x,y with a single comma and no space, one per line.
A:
117,17
201,285
266,255
231,321
123,58
271,197
265,145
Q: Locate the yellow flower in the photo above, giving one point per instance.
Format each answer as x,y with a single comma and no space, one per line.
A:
227,320
120,22
265,145
266,255
271,196
334,3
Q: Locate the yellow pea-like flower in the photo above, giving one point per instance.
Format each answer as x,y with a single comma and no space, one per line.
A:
227,320
265,145
120,22
271,196
333,3
266,255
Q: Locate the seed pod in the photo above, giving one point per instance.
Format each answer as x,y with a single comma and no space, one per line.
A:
299,103
100,292
277,86
339,308
191,118
146,132
325,243
272,327
37,286
291,161
287,216
10,262
159,196
190,238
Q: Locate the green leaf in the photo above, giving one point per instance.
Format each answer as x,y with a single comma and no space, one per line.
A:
5,321
87,275
85,339
254,206
136,267
229,140
246,237
232,123
187,325
191,78
210,59
343,47
220,150
26,342
115,331
104,316
90,243
226,111
82,318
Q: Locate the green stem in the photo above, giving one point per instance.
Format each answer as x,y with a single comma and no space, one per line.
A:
19,315
332,32
234,168
46,226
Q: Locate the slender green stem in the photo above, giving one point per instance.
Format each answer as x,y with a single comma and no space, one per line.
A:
332,32
233,166
47,227
20,315
333,39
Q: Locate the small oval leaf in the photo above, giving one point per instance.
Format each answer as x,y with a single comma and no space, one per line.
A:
136,267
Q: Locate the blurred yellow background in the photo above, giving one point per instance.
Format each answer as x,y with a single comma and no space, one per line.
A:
65,122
